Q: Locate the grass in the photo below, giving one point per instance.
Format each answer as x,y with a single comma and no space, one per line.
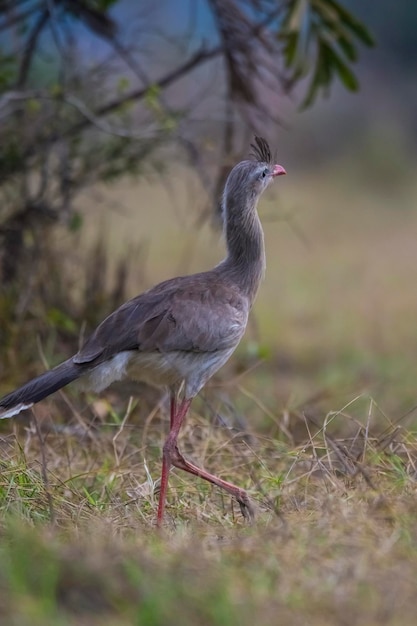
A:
361,570
314,416
334,541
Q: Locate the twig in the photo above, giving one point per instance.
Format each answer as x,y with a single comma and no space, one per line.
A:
77,104
44,469
30,47
368,420
15,19
120,430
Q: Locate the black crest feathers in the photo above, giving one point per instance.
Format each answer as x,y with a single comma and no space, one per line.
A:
261,150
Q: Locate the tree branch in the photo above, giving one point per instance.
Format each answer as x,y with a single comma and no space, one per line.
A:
30,47
200,57
15,19
91,118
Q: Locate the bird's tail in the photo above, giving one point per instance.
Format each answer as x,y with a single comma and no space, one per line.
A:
39,388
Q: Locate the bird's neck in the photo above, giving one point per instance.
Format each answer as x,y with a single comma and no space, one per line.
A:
245,261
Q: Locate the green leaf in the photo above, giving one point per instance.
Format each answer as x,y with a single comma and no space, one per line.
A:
152,96
345,74
75,222
290,48
321,76
56,90
123,84
351,22
32,105
325,63
59,319
348,48
312,90
103,5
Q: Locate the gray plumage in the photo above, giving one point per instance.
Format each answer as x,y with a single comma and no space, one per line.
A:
180,332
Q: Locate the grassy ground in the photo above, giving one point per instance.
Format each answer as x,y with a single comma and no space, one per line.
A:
313,416
334,541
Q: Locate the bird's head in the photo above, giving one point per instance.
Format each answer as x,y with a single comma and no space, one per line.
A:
251,177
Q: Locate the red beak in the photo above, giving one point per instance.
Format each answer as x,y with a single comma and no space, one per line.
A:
278,171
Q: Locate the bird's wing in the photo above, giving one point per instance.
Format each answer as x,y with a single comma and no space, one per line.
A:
198,315
199,319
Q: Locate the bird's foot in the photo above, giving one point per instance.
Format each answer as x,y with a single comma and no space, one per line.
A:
246,507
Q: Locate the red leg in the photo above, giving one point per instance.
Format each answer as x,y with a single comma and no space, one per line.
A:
241,496
177,417
172,456
173,410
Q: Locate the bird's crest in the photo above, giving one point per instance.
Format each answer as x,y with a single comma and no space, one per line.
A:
261,150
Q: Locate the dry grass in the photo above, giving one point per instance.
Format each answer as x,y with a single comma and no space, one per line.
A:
334,540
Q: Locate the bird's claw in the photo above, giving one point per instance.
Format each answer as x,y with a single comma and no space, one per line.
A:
246,508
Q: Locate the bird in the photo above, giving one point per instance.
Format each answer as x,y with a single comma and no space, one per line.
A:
178,333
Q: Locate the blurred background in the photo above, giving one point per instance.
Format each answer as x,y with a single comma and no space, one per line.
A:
119,122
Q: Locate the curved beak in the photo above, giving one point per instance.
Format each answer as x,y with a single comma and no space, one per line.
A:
278,171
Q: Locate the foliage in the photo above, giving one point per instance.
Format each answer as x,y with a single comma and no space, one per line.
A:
65,127
319,39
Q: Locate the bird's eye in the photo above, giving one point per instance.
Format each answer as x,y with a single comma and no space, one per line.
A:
264,173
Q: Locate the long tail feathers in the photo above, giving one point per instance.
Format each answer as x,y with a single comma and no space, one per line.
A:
39,388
